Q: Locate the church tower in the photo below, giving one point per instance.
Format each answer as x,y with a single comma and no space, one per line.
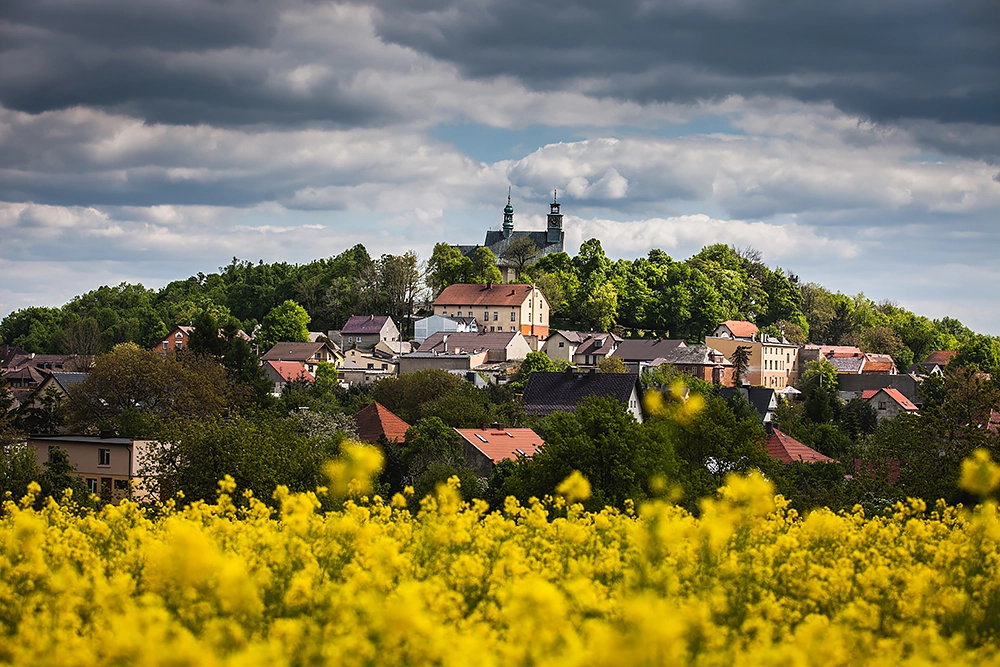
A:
555,227
508,218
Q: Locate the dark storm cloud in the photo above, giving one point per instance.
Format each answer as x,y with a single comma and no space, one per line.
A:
934,59
175,61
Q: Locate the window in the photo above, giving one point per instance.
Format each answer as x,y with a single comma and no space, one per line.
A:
166,345
92,485
385,367
513,328
561,344
539,318
496,316
512,316
103,457
459,313
179,344
371,367
486,316
881,405
178,335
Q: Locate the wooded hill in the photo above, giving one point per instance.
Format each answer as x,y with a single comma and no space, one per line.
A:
646,297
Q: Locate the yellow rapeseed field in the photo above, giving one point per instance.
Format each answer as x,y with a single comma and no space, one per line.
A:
746,582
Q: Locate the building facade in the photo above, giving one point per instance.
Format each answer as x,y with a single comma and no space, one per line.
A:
512,308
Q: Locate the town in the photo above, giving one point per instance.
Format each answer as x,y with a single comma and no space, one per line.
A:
509,364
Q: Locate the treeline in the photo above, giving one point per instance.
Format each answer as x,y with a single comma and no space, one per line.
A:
646,297
240,294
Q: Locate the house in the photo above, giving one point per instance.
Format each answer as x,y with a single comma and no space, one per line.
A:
505,346
365,331
787,449
487,446
55,385
309,354
879,364
391,349
512,308
370,361
428,326
546,393
110,466
581,348
888,402
762,399
853,386
178,339
773,361
281,373
376,424
547,241
638,353
422,361
934,363
361,373
809,353
24,371
699,361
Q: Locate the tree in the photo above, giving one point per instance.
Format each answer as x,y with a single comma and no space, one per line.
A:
287,323
484,267
819,373
519,252
740,359
600,309
447,266
612,364
134,390
602,440
432,453
406,394
534,362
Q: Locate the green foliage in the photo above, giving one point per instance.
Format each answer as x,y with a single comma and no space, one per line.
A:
484,267
534,362
612,364
134,391
433,453
602,440
259,452
288,323
447,266
405,395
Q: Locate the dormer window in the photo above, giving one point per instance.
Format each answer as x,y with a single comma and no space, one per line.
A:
179,335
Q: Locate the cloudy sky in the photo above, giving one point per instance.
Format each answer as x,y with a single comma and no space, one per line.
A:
855,143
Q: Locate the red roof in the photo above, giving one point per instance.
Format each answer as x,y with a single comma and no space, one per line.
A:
789,450
893,393
740,328
483,295
291,371
376,420
500,444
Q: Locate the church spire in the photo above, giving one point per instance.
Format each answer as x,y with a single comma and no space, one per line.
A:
508,217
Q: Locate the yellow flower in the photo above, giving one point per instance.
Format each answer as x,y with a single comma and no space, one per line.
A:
980,475
574,488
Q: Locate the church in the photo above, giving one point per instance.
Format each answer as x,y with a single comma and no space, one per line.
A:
513,253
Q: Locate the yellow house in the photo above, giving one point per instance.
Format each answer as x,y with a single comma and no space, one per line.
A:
497,307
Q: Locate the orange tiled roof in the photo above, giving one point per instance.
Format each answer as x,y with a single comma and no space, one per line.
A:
741,328
893,393
290,371
483,295
789,450
500,444
375,420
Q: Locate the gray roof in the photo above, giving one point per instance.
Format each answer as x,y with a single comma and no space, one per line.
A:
646,350
294,351
67,380
759,397
547,392
847,364
468,341
365,324
498,244
694,355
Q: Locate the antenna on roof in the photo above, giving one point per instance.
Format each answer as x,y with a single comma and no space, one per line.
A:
555,199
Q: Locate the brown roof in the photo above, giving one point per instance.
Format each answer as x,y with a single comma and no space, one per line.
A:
292,351
483,295
364,324
502,443
632,349
376,420
879,363
789,450
741,328
940,357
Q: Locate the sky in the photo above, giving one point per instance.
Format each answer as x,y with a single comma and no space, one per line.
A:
856,144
